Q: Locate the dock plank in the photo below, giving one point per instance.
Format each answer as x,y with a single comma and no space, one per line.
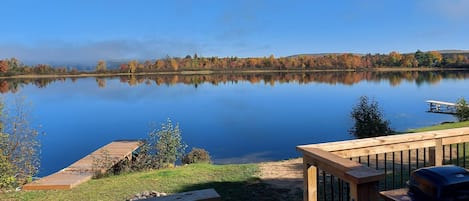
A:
84,169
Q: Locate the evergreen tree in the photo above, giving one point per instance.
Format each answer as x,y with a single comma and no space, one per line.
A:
369,121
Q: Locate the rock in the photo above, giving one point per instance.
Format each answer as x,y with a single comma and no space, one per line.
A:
145,195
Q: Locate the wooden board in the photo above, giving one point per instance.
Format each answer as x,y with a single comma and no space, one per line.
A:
84,169
396,195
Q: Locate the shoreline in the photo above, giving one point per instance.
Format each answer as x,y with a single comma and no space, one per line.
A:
210,72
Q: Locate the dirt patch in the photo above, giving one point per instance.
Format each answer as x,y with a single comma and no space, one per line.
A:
286,174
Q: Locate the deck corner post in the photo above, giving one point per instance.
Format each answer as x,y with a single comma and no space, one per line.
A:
364,192
310,182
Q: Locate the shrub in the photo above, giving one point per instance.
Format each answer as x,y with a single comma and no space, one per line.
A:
7,178
19,145
462,110
163,148
197,155
369,120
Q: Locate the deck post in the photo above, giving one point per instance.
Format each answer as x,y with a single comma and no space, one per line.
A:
363,183
435,154
439,152
364,192
310,192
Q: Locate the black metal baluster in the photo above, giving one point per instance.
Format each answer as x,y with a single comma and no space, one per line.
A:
464,154
402,169
368,160
347,188
450,153
324,185
385,172
409,161
376,161
417,158
444,154
332,187
424,157
341,192
457,154
393,171
318,182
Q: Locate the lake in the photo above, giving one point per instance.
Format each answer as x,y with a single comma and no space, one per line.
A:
238,118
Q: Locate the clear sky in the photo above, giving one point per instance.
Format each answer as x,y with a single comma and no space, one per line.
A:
88,30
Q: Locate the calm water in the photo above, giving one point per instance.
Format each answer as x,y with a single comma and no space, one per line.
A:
248,120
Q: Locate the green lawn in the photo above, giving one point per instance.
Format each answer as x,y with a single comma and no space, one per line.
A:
232,182
441,127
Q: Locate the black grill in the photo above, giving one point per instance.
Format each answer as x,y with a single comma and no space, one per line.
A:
442,183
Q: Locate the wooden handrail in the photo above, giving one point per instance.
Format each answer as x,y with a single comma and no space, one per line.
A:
332,158
362,179
392,143
345,169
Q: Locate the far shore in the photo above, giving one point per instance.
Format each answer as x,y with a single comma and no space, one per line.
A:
208,72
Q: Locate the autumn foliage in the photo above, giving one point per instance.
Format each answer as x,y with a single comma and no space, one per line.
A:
3,66
230,64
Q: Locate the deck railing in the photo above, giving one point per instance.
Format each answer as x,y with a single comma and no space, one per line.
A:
358,169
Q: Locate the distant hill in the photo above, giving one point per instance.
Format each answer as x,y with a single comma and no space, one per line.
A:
321,54
453,51
443,52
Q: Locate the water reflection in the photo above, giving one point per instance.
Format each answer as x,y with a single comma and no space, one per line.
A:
333,78
226,114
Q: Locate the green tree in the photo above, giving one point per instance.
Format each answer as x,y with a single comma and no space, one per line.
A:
421,58
462,110
19,145
369,121
169,145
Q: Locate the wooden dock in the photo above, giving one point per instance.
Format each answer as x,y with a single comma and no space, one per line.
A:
441,107
83,170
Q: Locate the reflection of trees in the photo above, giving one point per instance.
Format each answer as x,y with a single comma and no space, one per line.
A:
101,82
4,87
347,78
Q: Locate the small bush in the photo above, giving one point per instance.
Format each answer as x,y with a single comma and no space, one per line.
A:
462,110
162,149
100,163
197,155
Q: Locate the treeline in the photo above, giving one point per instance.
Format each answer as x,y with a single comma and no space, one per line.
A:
346,78
302,62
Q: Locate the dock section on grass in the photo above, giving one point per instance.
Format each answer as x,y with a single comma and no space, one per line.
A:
441,107
83,170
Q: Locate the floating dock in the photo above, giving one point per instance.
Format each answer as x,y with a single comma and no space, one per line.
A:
442,107
83,170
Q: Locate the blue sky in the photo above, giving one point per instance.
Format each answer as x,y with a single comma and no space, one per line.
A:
87,30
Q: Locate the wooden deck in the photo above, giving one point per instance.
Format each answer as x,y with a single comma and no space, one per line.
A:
441,107
83,170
